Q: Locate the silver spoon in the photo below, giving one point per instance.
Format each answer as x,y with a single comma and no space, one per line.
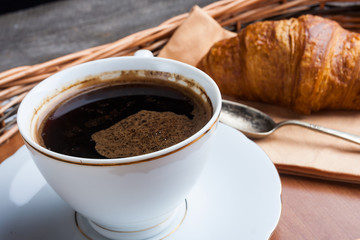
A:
256,124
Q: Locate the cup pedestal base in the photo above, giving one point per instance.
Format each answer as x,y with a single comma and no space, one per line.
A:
161,230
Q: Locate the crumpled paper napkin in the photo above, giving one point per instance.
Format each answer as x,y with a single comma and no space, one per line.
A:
294,150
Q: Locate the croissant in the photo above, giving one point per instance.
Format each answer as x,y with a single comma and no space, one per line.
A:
307,64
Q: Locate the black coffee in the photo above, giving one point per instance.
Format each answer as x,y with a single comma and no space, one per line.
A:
124,120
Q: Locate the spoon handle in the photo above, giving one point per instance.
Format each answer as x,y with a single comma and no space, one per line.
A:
343,135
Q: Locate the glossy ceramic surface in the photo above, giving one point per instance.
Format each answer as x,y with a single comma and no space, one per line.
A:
130,194
238,196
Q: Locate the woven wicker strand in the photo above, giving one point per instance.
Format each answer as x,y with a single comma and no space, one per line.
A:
232,14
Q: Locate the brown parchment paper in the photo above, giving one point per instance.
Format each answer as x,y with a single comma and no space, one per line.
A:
294,150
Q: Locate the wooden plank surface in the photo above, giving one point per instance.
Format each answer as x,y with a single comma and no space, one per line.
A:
312,209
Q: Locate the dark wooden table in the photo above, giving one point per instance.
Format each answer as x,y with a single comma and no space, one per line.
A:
312,209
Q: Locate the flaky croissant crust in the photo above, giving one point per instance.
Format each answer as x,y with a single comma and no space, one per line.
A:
307,64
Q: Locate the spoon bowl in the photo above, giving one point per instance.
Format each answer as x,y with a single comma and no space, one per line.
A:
252,122
256,124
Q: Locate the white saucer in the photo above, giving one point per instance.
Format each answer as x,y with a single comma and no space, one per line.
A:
238,196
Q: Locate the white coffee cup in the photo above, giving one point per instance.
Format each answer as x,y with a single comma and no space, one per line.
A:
123,198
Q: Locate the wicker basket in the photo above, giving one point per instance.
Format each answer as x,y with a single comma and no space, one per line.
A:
231,14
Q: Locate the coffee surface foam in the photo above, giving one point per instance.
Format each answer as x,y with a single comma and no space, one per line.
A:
141,133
